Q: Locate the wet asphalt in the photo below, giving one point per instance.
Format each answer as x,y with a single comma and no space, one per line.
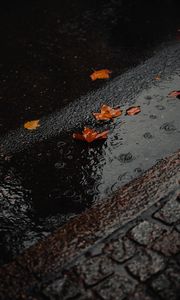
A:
47,54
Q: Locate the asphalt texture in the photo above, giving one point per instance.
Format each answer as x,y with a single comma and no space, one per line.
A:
46,177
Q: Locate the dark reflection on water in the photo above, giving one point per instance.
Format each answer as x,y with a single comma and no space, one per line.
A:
60,175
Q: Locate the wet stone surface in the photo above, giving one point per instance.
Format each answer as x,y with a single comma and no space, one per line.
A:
167,285
120,250
116,287
170,212
145,232
95,269
141,293
145,264
168,244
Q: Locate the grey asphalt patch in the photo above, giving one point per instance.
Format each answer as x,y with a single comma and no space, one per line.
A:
122,90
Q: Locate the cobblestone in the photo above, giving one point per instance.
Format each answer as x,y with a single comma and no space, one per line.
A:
117,287
167,285
140,293
94,269
120,249
146,232
63,288
170,212
145,264
168,244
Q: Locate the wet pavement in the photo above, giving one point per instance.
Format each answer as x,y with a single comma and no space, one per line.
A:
46,177
126,247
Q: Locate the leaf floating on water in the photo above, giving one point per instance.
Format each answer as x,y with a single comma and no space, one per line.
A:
32,125
107,113
101,74
89,135
133,110
174,94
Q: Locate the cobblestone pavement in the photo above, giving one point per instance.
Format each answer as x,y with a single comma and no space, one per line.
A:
139,259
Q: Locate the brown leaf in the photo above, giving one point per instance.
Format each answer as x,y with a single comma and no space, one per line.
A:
158,77
174,94
89,135
100,74
133,110
107,113
32,125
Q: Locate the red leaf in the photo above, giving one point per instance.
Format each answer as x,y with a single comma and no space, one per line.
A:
107,113
133,110
89,135
174,94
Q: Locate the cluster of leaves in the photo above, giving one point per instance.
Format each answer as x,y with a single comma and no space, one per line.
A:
106,113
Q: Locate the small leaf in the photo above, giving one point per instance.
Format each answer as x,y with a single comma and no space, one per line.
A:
107,113
133,110
100,74
174,94
89,135
158,77
32,125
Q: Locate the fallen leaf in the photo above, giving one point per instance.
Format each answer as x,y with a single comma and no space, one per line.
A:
100,74
107,113
174,94
133,110
158,77
32,125
89,135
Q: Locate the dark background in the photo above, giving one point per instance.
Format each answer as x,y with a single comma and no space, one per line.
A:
49,48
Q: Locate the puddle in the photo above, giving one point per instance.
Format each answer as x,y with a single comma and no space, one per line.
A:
143,139
45,186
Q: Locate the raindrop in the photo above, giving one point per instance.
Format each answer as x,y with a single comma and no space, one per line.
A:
147,135
148,97
160,107
59,165
153,117
138,170
125,157
168,127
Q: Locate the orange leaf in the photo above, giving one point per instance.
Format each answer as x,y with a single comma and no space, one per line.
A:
100,74
32,125
174,94
89,135
107,113
133,110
